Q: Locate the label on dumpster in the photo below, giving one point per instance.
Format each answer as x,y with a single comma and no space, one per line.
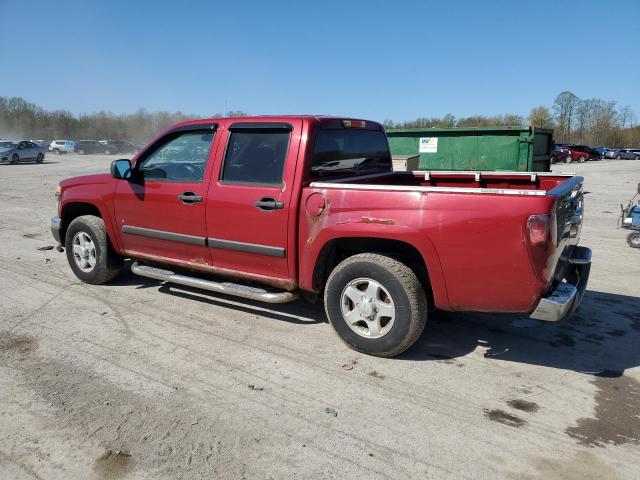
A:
428,145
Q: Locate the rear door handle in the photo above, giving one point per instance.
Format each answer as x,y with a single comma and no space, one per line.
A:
268,203
190,198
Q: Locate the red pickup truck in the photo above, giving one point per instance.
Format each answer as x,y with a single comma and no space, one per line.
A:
267,207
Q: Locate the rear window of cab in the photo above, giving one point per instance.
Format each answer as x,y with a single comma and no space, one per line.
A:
345,152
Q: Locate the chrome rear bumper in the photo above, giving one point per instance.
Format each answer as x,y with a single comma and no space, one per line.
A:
566,298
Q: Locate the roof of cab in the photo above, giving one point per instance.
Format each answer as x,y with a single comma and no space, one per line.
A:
324,120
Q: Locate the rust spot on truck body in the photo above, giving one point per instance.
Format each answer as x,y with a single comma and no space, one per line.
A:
381,221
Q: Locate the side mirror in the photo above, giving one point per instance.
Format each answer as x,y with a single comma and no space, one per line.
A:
639,189
121,169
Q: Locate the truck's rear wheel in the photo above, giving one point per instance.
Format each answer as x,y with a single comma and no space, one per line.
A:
88,251
376,304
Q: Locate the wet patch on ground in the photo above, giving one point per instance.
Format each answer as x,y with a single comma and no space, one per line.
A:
16,344
523,405
500,416
615,420
113,465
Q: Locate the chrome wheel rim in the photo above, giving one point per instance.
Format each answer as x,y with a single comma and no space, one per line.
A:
367,308
84,251
635,239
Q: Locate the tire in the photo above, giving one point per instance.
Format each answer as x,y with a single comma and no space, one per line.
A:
15,159
56,151
618,157
554,159
568,159
80,152
582,159
39,158
397,290
106,262
634,240
637,157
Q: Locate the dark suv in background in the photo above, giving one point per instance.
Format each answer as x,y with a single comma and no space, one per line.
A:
84,147
121,146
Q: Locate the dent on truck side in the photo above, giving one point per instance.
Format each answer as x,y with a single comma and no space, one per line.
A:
94,190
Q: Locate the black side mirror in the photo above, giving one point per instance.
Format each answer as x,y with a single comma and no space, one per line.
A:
121,169
639,189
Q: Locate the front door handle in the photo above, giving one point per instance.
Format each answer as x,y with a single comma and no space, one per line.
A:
190,198
268,203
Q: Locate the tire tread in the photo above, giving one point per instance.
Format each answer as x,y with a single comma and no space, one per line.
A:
411,285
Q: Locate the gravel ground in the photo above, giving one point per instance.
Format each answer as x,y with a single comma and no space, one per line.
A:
136,379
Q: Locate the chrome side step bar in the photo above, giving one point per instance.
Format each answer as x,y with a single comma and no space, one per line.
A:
244,291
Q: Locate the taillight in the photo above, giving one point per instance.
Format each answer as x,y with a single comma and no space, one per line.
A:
354,123
541,237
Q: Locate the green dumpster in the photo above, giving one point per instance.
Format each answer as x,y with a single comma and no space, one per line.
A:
522,149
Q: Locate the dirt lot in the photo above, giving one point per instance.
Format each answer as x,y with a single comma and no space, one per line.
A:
141,380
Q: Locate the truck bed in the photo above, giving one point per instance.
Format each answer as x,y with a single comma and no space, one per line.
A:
470,227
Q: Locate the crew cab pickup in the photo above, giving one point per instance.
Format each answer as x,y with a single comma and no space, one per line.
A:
267,208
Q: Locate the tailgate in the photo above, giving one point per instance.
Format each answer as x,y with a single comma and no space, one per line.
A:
569,213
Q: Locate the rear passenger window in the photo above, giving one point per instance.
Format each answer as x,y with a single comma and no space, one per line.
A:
181,159
255,157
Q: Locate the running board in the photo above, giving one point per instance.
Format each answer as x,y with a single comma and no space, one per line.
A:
244,291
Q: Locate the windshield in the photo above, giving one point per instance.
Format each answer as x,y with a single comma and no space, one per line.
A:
350,152
7,145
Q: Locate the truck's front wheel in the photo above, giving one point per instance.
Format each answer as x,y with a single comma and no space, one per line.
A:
88,251
376,304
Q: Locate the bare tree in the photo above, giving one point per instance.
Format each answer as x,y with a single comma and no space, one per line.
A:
564,107
541,117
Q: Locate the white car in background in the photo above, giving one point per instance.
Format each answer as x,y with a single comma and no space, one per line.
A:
62,146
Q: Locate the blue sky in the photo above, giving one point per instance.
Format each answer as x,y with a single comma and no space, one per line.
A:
372,59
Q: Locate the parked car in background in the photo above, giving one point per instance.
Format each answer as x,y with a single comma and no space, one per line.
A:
575,155
86,147
629,154
122,146
611,153
590,153
21,151
62,146
42,143
559,154
601,151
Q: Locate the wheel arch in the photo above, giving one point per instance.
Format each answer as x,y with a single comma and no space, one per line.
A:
73,210
336,250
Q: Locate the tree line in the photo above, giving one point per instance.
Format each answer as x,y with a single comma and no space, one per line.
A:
591,121
22,119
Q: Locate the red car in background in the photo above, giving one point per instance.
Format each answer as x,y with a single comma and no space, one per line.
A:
568,154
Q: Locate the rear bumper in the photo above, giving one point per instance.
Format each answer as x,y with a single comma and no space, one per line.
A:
566,298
